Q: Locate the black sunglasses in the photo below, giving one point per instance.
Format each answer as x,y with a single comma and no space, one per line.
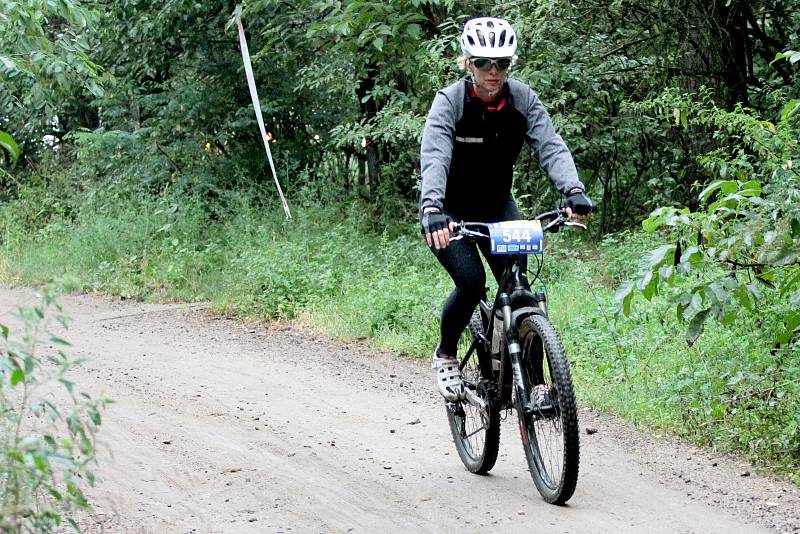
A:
485,63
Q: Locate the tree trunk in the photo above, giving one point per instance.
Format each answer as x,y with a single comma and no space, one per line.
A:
368,110
731,18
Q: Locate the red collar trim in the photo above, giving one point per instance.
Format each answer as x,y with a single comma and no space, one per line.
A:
500,105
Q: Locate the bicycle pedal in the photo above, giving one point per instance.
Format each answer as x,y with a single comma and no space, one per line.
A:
540,412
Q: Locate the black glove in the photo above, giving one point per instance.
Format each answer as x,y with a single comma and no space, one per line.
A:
433,221
579,203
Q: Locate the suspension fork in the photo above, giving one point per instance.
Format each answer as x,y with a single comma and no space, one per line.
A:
514,353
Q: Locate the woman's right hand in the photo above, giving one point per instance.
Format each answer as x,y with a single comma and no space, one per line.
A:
436,226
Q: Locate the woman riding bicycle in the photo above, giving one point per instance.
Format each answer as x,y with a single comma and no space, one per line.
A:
473,135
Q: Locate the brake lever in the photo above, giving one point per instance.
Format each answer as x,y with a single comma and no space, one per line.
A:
562,221
553,223
575,224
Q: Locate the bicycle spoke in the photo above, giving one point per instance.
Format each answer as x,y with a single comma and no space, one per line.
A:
475,432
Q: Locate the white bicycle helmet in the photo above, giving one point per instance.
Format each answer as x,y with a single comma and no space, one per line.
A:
488,37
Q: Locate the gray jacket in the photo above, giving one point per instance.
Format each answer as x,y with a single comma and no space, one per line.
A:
449,135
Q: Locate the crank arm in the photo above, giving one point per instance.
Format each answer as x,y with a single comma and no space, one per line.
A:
475,400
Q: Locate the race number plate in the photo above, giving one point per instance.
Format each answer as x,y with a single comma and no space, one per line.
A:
516,237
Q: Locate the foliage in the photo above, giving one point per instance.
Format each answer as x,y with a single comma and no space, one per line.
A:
45,65
47,442
741,249
160,182
9,146
345,87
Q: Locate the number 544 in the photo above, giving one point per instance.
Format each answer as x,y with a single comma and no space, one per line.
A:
516,235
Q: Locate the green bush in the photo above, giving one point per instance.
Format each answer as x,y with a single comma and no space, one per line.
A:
47,438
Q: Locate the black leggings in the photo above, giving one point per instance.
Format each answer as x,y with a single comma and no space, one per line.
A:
463,263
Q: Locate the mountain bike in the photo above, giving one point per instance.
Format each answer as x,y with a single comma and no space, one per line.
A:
516,360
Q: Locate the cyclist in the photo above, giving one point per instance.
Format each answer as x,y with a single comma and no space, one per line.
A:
473,135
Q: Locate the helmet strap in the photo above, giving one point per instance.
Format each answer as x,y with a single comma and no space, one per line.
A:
491,94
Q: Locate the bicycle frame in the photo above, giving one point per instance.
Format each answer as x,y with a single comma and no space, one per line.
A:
519,363
513,302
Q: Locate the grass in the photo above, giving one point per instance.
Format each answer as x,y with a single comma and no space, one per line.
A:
331,269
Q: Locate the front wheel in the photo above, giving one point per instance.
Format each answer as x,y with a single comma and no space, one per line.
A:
550,434
476,430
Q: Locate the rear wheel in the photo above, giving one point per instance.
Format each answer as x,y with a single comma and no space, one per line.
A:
476,431
549,436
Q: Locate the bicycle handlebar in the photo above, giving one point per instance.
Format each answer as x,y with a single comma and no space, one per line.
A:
557,218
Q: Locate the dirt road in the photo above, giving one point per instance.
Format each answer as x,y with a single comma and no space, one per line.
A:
219,426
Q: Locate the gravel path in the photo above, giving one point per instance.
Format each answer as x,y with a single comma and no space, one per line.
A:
220,426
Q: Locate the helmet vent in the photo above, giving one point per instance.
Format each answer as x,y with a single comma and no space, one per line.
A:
490,24
491,38
481,38
502,38
471,40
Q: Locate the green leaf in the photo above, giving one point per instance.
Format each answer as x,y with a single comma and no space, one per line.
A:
696,326
8,145
742,295
691,256
791,109
697,300
624,296
659,255
705,193
4,330
17,376
720,293
767,278
8,64
795,228
755,291
378,43
652,286
41,465
792,321
750,189
792,56
651,224
67,384
784,256
655,220
680,309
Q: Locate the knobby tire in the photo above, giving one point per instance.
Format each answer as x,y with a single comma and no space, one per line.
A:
551,442
476,433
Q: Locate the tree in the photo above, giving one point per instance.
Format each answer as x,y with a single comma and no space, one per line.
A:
44,62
